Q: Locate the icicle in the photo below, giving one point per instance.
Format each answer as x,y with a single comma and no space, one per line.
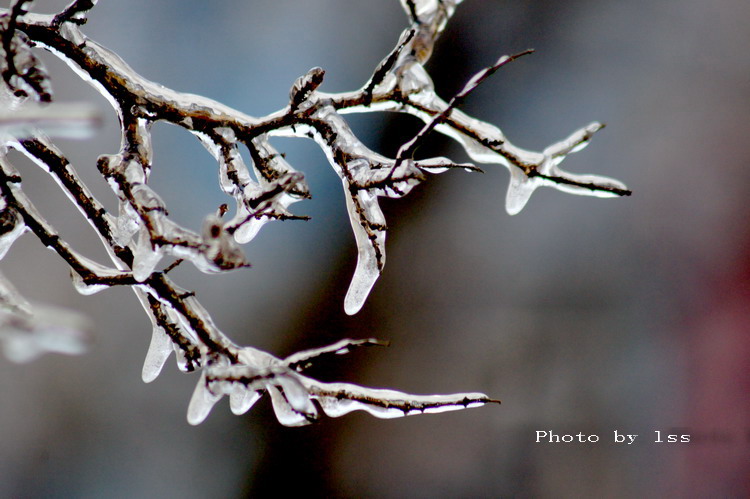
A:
202,402
157,355
11,227
284,412
242,399
368,264
520,189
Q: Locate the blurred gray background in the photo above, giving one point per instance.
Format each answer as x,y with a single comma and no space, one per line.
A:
581,314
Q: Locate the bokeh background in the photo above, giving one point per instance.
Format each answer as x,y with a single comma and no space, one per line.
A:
581,314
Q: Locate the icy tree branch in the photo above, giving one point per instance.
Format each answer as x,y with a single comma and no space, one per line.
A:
141,238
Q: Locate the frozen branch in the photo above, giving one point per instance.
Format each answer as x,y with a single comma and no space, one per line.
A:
141,238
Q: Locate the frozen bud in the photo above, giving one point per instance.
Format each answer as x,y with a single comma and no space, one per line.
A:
305,86
220,247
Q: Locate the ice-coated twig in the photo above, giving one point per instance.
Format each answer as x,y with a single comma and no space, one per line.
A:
144,243
305,359
75,12
297,398
408,148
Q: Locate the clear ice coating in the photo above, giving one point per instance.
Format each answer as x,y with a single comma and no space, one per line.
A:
338,399
98,270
